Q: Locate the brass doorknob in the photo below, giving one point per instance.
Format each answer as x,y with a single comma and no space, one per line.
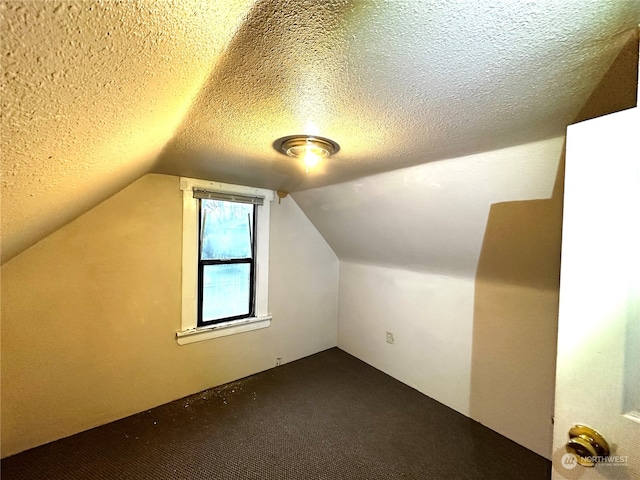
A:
587,445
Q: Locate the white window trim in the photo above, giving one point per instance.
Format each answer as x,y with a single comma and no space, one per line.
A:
190,332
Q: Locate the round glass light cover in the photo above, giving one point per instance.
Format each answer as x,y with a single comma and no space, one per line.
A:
300,145
310,149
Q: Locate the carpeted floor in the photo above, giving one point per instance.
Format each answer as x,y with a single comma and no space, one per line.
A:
327,416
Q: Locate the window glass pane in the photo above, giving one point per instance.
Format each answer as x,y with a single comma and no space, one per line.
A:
225,229
225,291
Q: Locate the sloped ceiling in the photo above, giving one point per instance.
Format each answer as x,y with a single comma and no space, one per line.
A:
97,93
91,93
431,217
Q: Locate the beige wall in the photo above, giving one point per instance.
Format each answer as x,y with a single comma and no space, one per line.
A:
89,316
515,319
513,362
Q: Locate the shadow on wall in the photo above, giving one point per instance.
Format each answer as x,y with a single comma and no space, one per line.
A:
517,291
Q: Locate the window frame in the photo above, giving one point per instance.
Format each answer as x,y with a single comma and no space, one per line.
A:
252,270
190,331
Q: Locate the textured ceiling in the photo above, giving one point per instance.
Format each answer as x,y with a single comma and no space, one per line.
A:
395,83
91,93
96,93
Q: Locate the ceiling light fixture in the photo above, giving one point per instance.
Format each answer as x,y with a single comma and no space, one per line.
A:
310,148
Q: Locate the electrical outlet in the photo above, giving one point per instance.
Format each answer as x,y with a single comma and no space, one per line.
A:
389,337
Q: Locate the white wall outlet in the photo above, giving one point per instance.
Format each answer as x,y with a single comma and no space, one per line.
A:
389,337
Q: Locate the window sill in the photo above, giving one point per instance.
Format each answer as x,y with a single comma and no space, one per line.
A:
222,329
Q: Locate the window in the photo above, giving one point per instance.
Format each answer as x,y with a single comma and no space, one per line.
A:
224,259
226,262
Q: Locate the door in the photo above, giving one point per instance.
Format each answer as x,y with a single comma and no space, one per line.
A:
598,365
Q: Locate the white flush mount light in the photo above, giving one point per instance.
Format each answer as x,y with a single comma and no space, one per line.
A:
309,148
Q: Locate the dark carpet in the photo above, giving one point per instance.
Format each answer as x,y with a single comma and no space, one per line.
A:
327,416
